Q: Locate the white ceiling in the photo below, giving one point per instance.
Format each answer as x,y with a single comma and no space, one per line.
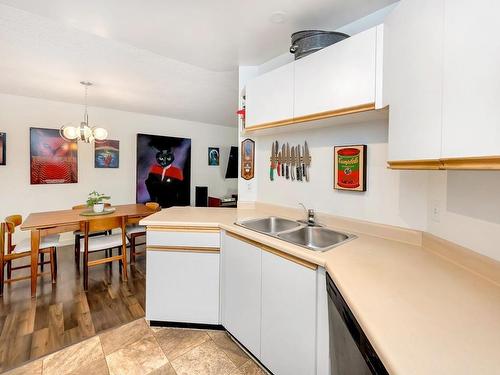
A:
164,57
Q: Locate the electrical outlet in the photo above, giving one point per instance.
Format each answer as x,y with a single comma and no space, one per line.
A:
436,211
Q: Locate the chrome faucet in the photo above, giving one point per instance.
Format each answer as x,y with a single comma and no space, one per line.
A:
311,216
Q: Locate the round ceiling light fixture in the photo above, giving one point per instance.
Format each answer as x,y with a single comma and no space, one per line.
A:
278,17
83,132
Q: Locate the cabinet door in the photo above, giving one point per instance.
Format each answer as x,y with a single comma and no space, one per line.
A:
337,77
413,62
471,120
182,287
269,97
241,283
288,342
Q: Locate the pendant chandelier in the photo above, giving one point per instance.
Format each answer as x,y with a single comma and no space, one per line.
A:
83,132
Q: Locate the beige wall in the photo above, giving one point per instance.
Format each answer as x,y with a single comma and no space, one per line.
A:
18,114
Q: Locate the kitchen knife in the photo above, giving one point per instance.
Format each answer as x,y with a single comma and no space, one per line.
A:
292,164
299,166
303,164
283,160
279,163
271,169
276,149
307,161
287,166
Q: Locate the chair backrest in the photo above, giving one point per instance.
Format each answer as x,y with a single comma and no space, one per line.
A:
104,224
82,206
12,222
152,206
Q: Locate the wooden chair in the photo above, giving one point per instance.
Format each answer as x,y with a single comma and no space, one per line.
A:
135,230
48,245
78,233
91,244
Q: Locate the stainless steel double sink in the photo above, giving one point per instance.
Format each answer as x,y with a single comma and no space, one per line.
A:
315,237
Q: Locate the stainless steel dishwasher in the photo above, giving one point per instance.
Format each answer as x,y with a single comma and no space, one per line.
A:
350,351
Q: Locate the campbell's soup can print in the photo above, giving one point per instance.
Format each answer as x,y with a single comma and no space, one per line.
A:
348,161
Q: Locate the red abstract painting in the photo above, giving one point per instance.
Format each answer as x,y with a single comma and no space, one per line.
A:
53,159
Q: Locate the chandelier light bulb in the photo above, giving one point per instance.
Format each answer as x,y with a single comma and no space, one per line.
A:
100,134
70,133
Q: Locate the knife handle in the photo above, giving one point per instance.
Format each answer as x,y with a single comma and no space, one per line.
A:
282,170
304,171
279,167
287,172
271,173
298,173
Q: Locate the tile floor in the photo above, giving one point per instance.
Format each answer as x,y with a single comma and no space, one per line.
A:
136,348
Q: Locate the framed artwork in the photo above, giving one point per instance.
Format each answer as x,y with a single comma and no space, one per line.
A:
163,170
53,160
213,156
107,154
247,159
3,150
350,167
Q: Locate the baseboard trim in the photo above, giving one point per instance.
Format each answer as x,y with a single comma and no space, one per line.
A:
160,323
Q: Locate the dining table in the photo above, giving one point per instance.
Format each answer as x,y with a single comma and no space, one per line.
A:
51,222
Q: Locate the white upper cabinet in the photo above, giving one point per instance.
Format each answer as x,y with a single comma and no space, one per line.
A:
337,77
413,75
269,97
343,78
471,119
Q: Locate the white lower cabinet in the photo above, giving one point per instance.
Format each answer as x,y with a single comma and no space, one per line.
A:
182,286
288,334
270,305
241,293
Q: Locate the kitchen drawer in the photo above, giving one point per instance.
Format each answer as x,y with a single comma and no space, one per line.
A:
185,238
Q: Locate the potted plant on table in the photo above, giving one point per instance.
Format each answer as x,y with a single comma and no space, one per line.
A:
96,201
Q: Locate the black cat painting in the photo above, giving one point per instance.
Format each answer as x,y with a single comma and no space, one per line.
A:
163,170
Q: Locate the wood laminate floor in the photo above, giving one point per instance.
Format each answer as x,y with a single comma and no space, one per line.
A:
63,314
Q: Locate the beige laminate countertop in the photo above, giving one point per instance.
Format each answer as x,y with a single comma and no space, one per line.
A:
424,313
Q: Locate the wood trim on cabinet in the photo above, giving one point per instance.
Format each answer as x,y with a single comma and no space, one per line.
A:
187,249
472,163
431,164
183,229
468,163
275,251
314,116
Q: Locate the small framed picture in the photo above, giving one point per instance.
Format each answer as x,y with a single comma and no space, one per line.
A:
213,156
247,159
107,154
349,168
3,150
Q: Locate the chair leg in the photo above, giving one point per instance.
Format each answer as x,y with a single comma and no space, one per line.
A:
55,261
77,250
132,249
124,262
85,271
42,261
9,269
2,265
52,265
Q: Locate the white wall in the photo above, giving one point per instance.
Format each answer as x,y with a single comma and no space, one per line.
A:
468,204
18,114
247,190
394,198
